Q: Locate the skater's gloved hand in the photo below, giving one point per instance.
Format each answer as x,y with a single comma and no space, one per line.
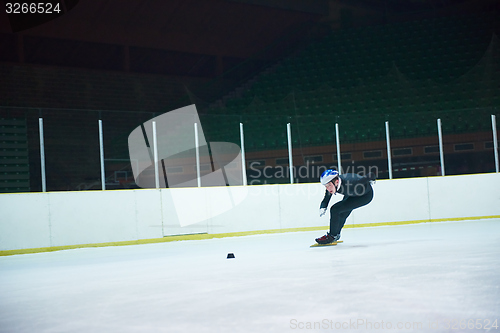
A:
322,212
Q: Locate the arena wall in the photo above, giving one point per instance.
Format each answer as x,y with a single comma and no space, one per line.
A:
93,218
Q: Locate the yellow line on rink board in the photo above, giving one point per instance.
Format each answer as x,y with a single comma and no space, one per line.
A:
232,234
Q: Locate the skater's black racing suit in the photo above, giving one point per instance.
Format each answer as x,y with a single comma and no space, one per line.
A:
357,192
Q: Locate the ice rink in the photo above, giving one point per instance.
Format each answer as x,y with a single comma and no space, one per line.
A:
431,277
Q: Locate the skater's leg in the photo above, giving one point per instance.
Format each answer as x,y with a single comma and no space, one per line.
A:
341,211
338,223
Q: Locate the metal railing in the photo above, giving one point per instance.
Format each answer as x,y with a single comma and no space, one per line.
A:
69,148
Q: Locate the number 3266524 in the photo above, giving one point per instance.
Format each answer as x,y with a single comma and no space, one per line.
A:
32,8
477,324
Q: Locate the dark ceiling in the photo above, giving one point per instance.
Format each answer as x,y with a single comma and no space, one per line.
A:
191,37
183,37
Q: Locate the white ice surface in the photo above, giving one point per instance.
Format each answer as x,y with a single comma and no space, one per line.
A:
433,274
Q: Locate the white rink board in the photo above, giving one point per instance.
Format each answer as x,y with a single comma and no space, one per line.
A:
83,217
299,205
259,210
394,201
34,220
148,217
466,196
24,221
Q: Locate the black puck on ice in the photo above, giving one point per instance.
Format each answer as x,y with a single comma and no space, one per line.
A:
230,256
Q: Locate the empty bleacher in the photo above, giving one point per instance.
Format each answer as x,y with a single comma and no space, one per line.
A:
406,73
14,161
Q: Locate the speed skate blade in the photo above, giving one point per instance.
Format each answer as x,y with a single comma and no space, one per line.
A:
329,244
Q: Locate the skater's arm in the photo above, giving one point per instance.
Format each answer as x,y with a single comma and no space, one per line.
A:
326,200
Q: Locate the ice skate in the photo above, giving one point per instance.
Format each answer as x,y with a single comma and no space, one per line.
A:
327,240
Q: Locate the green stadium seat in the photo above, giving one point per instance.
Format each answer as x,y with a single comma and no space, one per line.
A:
435,57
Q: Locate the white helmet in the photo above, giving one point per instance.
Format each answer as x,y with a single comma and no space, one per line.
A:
328,176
